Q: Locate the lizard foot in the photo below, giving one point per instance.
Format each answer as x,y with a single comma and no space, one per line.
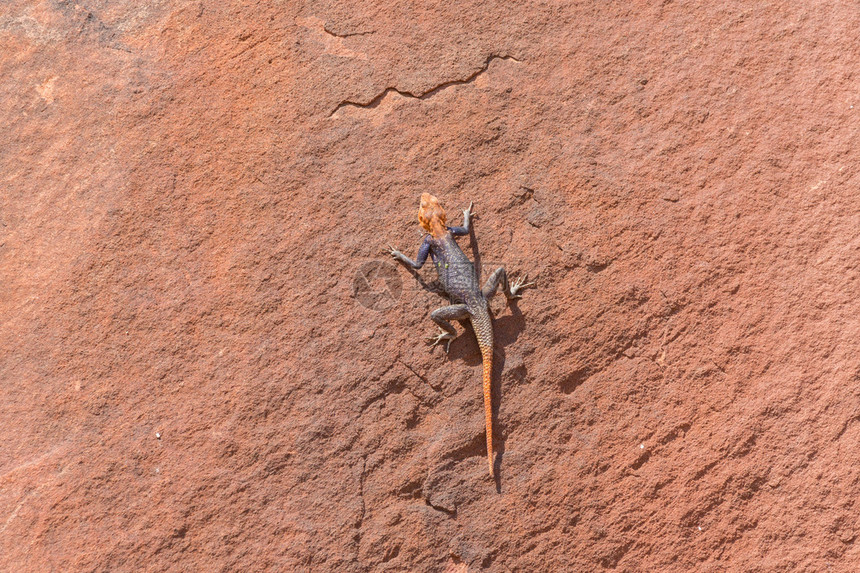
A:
468,213
394,252
434,340
520,285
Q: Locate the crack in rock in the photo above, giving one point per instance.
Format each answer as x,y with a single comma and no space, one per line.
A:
377,99
348,34
420,377
441,508
333,43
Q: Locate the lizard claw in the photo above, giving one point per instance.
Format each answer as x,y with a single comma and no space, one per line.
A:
468,213
519,285
434,340
393,252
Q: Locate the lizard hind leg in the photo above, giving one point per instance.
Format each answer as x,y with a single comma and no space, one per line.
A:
501,277
441,316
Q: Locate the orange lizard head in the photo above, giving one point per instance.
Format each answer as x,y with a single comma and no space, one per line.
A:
431,215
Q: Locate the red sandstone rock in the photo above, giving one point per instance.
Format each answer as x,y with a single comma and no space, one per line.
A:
191,382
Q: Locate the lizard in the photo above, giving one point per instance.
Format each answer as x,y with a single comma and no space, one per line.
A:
460,281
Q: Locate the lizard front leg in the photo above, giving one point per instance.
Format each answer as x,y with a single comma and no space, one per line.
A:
441,316
468,215
511,291
423,251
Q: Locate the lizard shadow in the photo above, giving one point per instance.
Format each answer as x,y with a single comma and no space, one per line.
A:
465,347
432,286
506,331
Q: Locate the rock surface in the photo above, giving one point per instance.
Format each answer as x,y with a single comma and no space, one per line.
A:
204,368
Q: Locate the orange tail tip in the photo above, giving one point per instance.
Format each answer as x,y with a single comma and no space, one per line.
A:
487,355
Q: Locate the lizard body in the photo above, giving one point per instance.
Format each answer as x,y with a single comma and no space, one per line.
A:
460,281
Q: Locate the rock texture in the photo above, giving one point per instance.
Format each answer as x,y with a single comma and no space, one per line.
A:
204,368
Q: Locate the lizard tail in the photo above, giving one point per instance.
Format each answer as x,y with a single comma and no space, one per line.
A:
487,355
483,327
